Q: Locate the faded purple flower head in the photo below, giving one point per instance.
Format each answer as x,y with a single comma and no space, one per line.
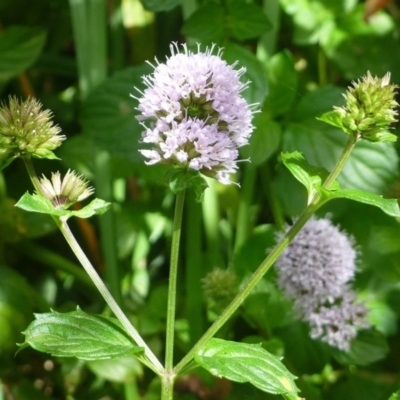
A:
315,271
197,116
337,322
318,262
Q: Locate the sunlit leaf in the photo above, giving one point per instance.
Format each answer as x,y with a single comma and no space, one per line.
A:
40,204
241,362
79,334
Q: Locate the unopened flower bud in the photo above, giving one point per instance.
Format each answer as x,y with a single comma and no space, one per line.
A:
220,287
27,130
371,108
65,192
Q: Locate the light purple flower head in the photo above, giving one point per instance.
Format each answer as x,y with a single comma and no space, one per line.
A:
314,271
197,117
318,262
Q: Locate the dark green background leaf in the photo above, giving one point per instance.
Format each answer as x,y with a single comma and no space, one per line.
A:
108,114
160,5
19,48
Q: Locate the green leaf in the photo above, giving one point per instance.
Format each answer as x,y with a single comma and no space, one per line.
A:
18,300
181,179
282,81
311,177
19,48
79,334
216,23
246,21
160,5
241,362
264,141
313,20
333,118
121,370
255,72
365,349
389,206
356,47
40,204
206,24
108,114
395,396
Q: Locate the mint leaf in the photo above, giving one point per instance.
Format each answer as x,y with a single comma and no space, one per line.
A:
242,362
79,334
40,204
389,206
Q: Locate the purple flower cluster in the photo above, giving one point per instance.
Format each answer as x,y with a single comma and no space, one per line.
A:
315,271
197,116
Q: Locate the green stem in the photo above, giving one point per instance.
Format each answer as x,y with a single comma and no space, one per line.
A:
352,141
168,378
154,363
32,175
271,258
167,387
150,359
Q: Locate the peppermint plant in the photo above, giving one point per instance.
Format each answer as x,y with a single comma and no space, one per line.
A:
195,119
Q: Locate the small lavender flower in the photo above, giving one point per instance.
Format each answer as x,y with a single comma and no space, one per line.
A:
67,191
315,271
336,323
198,118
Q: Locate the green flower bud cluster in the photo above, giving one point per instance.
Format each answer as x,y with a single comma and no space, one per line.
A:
370,108
220,286
67,191
27,131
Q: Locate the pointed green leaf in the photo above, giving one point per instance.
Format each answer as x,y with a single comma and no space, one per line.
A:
35,203
333,118
242,362
389,206
40,204
79,334
310,176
